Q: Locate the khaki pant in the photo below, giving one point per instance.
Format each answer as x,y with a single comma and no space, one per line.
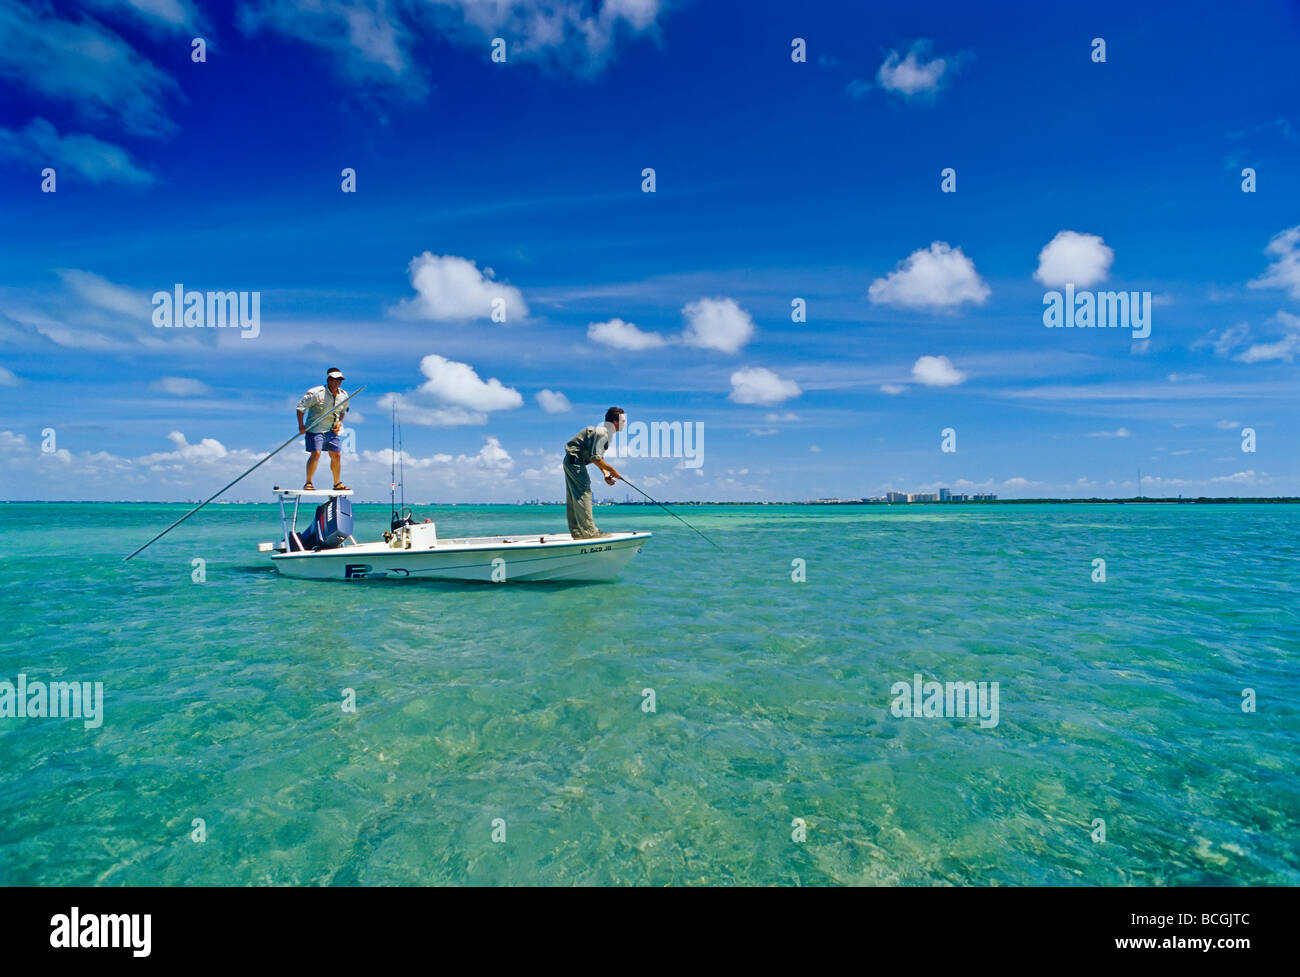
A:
577,502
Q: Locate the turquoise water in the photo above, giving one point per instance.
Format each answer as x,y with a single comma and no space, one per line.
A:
1118,700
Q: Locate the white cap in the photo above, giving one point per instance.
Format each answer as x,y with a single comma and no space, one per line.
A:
334,373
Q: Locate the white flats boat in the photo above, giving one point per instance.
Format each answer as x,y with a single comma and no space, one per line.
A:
326,550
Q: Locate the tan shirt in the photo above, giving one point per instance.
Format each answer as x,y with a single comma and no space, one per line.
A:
316,402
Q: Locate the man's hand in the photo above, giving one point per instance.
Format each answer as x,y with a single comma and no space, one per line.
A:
610,480
338,426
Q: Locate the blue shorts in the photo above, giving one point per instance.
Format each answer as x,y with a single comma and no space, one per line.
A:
325,441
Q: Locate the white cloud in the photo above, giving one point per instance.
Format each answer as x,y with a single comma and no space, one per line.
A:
185,455
180,387
380,40
86,66
413,412
785,417
8,378
1224,342
916,73
623,335
937,277
756,385
449,382
1284,349
893,389
1119,432
553,402
95,161
452,289
1226,425
173,15
491,457
103,294
718,324
1073,258
1284,272
816,448
936,371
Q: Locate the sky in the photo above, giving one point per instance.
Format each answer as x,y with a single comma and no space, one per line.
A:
857,215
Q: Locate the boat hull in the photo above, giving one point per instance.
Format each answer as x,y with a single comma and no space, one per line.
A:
487,559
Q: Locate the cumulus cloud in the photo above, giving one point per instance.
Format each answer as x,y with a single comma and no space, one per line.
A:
180,387
718,324
40,144
938,277
185,455
1074,258
893,389
936,371
452,395
1284,271
412,411
914,75
553,402
452,289
623,335
756,385
911,74
458,384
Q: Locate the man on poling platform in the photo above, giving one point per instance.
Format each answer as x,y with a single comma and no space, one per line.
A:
588,447
322,424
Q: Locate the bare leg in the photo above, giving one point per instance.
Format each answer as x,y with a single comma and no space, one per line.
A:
336,466
312,460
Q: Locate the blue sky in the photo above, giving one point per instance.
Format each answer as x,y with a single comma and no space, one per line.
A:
775,180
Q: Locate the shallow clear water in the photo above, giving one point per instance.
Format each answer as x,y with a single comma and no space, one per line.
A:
1119,700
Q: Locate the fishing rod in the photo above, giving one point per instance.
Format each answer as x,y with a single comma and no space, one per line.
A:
249,472
675,516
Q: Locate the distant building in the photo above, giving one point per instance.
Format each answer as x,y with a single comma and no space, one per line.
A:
984,498
959,498
923,497
897,497
945,495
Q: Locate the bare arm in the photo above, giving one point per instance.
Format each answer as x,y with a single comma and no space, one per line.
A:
610,472
302,428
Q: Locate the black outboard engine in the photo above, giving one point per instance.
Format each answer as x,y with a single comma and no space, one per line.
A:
330,527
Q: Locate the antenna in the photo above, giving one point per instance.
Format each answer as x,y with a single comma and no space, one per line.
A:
392,463
401,459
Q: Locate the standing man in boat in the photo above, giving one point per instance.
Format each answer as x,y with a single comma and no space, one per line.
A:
588,447
323,424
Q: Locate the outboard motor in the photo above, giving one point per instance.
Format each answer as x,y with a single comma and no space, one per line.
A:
330,527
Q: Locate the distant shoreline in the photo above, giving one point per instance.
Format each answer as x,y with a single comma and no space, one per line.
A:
1201,500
